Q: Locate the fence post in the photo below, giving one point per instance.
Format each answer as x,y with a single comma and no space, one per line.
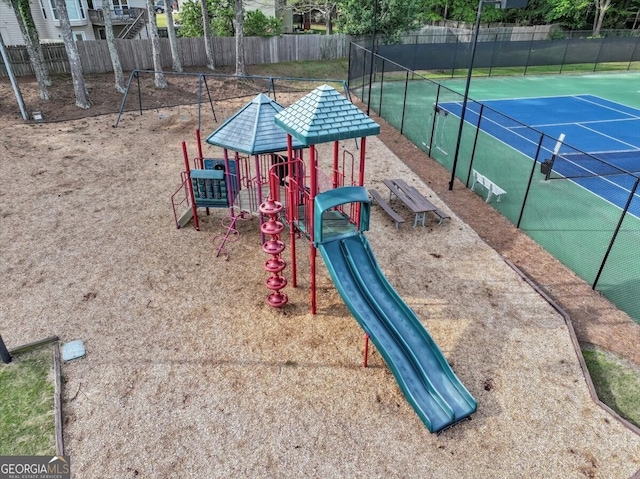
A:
475,142
435,118
381,85
404,101
564,56
595,65
615,233
526,66
533,169
633,55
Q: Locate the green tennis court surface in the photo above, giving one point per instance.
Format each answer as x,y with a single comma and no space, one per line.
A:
580,228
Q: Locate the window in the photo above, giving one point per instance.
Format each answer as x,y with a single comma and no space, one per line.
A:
74,9
44,11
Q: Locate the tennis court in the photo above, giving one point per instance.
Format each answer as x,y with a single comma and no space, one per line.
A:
586,211
606,133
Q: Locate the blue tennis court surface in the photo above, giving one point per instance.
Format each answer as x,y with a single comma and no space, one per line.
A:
603,129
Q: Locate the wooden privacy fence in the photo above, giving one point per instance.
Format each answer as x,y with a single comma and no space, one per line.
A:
136,54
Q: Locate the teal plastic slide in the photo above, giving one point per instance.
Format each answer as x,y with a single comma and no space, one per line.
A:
422,372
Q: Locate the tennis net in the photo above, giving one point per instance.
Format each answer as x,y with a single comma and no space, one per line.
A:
588,165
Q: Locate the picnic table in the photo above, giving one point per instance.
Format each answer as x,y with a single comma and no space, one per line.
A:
413,200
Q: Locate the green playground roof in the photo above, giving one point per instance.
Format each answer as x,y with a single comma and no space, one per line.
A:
324,115
252,130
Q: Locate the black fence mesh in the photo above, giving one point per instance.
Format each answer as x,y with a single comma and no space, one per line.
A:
582,208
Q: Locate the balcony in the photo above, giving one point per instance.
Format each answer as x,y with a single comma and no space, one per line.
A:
119,16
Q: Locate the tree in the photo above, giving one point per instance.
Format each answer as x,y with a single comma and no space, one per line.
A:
257,24
221,15
240,71
159,79
32,42
571,13
82,99
602,7
393,17
173,42
113,52
326,8
206,33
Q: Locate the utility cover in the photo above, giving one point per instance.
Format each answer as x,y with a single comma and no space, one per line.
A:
72,350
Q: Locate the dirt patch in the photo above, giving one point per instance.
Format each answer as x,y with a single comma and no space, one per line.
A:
189,373
596,321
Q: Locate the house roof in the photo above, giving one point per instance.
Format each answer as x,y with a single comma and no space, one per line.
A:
252,130
323,116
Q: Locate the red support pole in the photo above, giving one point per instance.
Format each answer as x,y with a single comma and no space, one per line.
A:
312,195
192,198
363,146
366,351
336,156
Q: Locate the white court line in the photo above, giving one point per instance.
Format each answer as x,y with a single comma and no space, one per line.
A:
633,147
581,98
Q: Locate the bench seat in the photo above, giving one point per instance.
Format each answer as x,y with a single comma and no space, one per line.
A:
490,186
375,196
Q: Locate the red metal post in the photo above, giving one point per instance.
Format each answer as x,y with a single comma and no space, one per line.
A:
336,155
363,147
312,195
192,198
293,203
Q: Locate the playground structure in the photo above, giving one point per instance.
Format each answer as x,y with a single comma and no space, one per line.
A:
326,202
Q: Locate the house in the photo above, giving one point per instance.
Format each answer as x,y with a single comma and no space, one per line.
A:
129,18
273,8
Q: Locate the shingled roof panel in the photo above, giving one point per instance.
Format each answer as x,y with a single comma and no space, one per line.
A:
324,115
252,129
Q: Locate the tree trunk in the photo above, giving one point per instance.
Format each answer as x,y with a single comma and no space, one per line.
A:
113,52
159,79
173,41
602,6
327,19
32,31
206,26
82,100
37,64
239,39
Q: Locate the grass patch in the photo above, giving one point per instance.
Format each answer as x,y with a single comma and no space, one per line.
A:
617,383
161,19
27,423
317,70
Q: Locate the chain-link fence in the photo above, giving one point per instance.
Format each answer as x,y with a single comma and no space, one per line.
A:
582,209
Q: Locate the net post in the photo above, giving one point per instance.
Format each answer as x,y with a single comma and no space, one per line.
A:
551,160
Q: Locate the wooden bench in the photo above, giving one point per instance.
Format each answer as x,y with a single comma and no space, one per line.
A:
491,187
375,196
